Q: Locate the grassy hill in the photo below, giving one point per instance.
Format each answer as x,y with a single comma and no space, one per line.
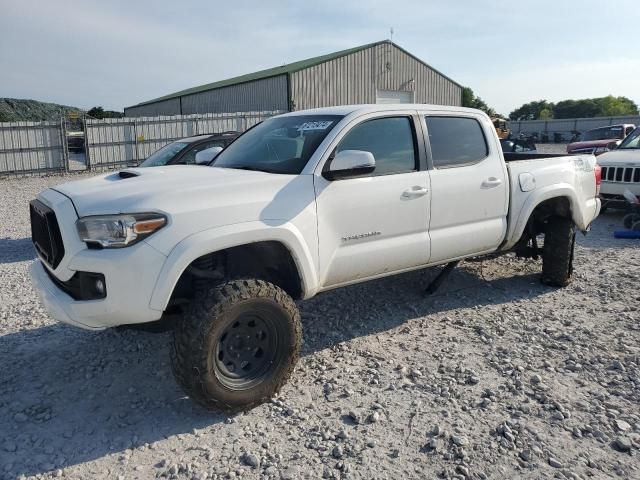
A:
14,110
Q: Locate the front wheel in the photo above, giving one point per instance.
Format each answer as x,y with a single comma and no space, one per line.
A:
557,253
237,345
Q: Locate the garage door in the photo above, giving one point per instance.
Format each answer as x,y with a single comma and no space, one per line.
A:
393,96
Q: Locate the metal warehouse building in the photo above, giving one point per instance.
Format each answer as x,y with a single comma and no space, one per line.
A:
380,72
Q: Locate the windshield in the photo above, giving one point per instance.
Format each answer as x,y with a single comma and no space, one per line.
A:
164,155
632,141
608,133
279,144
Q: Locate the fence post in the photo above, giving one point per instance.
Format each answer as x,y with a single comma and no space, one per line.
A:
135,136
87,150
63,144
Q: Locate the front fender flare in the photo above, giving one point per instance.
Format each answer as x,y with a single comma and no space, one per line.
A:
220,238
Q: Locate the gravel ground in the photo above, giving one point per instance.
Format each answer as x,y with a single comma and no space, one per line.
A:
496,376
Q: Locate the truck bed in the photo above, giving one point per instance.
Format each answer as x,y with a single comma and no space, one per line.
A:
546,176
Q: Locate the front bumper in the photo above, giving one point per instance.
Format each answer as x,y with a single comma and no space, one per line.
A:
130,275
130,280
55,300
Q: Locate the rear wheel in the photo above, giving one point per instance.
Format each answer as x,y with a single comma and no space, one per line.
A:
557,254
237,345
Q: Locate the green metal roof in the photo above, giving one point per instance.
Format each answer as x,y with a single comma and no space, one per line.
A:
284,69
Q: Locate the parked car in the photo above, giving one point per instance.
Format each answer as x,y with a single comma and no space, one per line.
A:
517,146
303,203
600,140
620,172
198,150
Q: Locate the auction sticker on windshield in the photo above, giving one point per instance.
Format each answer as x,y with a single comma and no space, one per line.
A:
321,125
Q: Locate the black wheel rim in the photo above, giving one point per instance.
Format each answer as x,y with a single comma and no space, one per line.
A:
247,351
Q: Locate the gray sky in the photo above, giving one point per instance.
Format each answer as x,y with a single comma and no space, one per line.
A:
118,53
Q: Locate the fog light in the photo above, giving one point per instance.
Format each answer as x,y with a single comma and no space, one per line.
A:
99,286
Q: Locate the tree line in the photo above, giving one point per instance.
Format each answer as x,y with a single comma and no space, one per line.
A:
100,113
608,106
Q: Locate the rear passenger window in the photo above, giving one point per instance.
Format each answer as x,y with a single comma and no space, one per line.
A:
389,139
456,141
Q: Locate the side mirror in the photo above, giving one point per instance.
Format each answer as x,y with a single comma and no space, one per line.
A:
350,163
205,156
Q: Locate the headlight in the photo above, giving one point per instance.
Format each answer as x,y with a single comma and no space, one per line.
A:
117,231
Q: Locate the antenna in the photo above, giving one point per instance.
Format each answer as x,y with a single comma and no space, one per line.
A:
391,31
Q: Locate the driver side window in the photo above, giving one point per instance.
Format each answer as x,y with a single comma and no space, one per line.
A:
389,139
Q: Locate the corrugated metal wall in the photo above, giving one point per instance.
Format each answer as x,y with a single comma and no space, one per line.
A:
27,147
355,78
566,126
126,141
351,79
165,107
260,95
257,96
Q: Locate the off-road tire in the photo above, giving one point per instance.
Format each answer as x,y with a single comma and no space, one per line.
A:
557,253
198,336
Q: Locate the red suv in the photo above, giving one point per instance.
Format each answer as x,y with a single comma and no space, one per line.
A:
600,140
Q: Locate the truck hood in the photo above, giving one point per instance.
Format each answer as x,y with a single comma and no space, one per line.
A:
590,144
196,199
627,157
172,189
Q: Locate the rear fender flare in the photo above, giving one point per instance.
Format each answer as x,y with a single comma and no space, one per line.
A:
536,198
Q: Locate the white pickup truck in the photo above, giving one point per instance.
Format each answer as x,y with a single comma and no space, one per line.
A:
300,204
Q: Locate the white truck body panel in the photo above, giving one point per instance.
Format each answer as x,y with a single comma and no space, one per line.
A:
338,232
568,176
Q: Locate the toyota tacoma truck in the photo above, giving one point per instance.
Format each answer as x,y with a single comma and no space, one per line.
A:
302,203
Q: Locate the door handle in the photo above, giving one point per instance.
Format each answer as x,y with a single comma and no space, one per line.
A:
491,182
415,192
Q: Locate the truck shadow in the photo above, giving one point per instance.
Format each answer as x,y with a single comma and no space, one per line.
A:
377,306
70,397
16,250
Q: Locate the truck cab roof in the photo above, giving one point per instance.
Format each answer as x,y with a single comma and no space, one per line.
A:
373,108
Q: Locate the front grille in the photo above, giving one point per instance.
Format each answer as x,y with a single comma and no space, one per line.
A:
45,233
621,174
